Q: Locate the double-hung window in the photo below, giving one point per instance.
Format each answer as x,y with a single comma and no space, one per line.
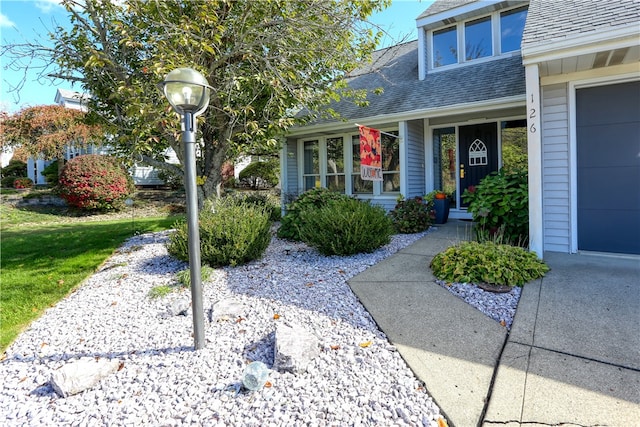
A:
335,165
311,172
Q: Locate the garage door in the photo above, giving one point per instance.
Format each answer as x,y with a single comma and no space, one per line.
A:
608,161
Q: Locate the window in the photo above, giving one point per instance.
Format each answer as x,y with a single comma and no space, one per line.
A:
335,165
359,185
477,36
311,175
513,135
390,163
511,28
445,47
445,160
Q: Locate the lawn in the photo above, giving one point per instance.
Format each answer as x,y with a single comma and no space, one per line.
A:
45,255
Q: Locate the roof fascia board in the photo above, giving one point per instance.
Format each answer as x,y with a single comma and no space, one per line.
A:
581,45
468,107
447,15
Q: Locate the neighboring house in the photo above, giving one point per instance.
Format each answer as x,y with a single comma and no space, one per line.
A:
143,175
484,80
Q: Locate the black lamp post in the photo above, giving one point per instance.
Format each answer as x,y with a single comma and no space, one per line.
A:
188,93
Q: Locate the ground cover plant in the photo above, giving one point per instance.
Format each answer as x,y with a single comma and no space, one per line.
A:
488,262
411,215
45,255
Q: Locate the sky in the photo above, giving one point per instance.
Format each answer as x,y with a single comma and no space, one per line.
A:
22,20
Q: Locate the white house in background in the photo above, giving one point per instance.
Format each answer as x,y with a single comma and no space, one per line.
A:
563,75
142,175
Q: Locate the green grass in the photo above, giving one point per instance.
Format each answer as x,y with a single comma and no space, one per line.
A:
43,260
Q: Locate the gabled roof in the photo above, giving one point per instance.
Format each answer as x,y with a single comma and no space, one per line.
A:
550,21
439,6
395,70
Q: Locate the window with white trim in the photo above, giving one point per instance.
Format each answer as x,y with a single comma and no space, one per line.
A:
311,172
334,178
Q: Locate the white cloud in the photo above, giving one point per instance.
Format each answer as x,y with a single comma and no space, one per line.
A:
46,6
5,21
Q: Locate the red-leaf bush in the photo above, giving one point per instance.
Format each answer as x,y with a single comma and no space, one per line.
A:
95,182
22,183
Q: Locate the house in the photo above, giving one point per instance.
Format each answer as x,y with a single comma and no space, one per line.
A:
555,85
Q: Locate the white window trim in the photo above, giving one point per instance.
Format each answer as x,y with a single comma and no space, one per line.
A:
460,32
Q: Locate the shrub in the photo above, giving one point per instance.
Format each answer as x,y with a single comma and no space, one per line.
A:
171,179
500,204
261,174
411,215
346,227
184,276
261,200
310,199
22,183
231,233
488,262
15,169
50,173
95,182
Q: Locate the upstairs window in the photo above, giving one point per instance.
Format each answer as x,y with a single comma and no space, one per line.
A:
511,28
485,37
445,47
477,36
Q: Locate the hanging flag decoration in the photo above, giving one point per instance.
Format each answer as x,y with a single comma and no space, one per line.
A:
370,154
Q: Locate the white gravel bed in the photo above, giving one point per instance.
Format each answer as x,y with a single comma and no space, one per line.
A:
359,378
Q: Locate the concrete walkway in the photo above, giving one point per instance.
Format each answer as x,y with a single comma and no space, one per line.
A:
572,357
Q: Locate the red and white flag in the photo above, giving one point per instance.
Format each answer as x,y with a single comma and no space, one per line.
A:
370,154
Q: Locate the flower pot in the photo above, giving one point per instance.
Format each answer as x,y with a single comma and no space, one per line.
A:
441,207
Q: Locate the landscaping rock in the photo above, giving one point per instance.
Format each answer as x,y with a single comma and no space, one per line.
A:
179,307
76,377
295,348
226,309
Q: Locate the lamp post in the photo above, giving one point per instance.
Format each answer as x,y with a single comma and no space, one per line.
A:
188,93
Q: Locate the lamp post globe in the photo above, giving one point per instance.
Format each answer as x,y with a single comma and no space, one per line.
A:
188,93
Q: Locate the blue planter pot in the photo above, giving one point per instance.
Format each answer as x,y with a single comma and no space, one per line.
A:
441,206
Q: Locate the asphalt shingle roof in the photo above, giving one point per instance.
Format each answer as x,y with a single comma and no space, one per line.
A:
443,5
559,20
397,75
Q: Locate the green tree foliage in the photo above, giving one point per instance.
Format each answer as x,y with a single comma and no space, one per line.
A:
95,182
261,173
15,169
264,59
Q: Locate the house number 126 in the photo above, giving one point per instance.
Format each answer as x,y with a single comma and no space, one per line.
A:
532,116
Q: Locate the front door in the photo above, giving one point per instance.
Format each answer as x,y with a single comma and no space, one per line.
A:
478,156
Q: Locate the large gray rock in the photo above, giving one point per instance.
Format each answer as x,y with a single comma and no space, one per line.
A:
76,377
295,348
227,309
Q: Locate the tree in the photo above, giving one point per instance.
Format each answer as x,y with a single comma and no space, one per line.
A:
264,59
46,130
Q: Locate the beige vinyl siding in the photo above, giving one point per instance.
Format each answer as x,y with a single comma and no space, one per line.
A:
415,158
555,168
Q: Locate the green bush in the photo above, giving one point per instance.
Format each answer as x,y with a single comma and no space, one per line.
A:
95,182
260,174
231,233
50,173
411,215
261,200
309,200
15,169
345,227
500,206
488,262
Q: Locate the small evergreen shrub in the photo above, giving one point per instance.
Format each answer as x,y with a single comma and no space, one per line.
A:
50,173
20,183
500,204
261,200
309,200
231,233
488,262
261,174
15,169
345,227
95,182
411,215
